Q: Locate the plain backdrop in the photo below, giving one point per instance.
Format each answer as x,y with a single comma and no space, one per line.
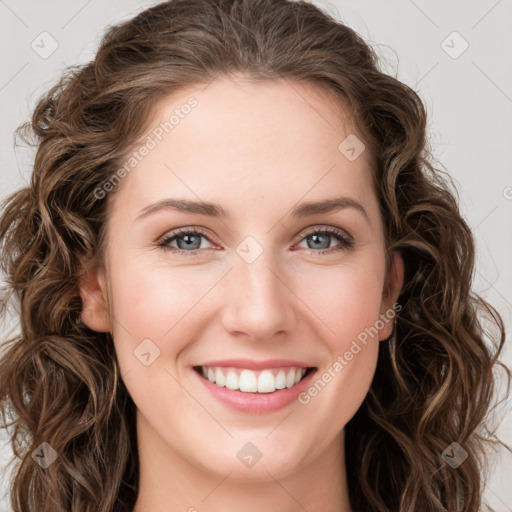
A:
457,55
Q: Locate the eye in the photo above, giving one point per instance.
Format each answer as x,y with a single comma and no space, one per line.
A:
322,238
189,239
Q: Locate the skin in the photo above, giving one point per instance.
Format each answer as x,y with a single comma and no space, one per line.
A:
257,150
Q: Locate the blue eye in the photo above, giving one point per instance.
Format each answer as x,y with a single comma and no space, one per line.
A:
327,235
189,241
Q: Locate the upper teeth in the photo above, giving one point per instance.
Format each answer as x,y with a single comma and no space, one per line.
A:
249,381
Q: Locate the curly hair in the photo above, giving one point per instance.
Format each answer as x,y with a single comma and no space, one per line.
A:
435,381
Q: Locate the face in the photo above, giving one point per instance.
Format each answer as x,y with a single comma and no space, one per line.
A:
257,297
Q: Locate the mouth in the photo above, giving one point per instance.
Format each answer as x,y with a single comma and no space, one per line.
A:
262,381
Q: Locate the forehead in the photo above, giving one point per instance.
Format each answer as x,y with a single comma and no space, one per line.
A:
273,140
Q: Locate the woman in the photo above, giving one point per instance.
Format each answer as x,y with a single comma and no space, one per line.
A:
185,342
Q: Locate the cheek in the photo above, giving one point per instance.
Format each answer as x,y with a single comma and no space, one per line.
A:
338,390
160,304
150,301
348,305
153,310
345,298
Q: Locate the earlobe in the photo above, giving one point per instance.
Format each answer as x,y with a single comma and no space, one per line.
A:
94,300
396,281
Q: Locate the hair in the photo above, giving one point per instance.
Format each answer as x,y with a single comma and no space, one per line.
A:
59,380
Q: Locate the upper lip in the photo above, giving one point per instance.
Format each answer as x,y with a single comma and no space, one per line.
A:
256,365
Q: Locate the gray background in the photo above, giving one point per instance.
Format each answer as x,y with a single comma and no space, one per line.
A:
468,98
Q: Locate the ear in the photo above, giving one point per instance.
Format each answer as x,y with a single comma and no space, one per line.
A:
390,295
94,300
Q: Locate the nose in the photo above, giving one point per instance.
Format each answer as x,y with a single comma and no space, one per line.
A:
258,300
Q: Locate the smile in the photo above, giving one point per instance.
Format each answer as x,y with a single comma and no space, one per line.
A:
253,381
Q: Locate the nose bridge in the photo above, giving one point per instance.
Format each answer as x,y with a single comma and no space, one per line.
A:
258,301
259,284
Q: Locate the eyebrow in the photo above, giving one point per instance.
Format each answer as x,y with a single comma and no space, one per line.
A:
215,210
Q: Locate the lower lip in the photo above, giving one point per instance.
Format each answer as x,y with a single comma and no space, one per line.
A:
256,403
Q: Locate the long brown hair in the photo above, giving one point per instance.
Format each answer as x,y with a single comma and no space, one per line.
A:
59,382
